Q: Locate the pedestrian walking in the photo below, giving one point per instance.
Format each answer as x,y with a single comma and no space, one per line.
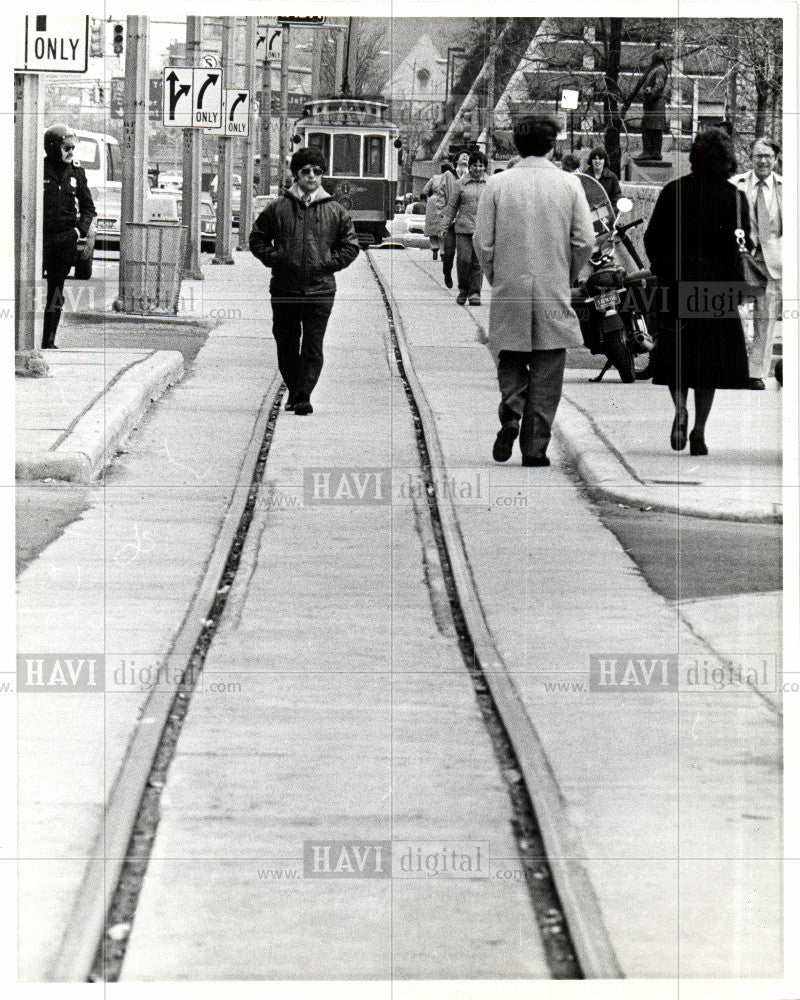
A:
304,236
764,191
533,234
460,213
437,190
68,211
597,167
693,252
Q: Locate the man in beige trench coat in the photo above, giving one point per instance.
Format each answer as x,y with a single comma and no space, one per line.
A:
533,234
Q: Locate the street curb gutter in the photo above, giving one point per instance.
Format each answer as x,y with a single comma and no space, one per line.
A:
98,433
581,906
84,929
606,475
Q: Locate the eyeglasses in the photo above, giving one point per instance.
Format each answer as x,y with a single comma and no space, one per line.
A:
309,170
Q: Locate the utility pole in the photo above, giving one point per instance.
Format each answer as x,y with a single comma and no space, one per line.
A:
284,121
351,55
222,254
192,165
490,88
338,79
246,203
265,180
28,188
316,60
135,126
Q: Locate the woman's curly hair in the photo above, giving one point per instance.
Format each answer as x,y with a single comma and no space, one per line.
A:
712,154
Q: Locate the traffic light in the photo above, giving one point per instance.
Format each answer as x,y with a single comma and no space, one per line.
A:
96,38
119,39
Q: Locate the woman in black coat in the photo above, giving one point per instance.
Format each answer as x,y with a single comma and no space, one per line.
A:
597,167
693,252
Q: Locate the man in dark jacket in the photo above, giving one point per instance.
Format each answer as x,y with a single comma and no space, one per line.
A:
68,213
304,237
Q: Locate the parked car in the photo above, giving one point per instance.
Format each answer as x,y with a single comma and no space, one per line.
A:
163,206
208,223
408,228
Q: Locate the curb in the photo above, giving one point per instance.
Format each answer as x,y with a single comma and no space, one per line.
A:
98,433
97,318
607,476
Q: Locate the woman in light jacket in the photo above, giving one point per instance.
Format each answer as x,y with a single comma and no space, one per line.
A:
437,191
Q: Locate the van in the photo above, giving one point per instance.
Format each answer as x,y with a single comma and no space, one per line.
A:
99,156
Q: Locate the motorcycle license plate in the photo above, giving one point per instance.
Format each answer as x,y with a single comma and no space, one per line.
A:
606,299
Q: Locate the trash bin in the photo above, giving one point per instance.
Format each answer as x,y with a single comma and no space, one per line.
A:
150,262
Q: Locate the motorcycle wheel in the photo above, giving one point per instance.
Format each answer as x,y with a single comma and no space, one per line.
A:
642,370
619,354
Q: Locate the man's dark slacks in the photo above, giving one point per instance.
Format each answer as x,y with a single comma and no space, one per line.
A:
530,388
298,325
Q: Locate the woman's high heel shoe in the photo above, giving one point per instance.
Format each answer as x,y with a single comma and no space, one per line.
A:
677,436
697,443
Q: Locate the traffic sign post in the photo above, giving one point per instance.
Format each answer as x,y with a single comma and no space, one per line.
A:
28,185
222,250
246,201
48,43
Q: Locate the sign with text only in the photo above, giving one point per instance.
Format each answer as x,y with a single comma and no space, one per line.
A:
52,44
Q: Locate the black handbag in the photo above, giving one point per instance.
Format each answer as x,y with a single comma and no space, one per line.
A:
752,272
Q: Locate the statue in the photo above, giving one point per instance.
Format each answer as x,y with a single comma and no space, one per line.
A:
654,104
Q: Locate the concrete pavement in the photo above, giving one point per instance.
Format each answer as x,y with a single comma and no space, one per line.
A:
675,796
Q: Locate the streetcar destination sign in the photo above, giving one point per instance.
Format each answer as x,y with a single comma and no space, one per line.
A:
314,19
52,44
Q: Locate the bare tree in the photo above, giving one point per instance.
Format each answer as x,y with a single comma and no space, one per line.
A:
369,75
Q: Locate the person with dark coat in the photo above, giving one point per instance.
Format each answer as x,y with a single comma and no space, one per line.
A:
597,167
654,105
304,237
460,213
68,211
693,252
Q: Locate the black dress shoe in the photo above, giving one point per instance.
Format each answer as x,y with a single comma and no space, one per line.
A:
448,280
677,437
303,409
289,403
504,442
697,443
541,459
757,383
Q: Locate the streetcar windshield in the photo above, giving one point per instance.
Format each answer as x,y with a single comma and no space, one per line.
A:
346,154
374,147
322,142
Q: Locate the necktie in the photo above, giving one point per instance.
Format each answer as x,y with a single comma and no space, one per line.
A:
762,214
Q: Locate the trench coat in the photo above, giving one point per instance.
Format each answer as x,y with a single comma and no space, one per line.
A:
533,235
438,191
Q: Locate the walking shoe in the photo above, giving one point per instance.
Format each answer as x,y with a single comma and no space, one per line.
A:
303,409
540,459
289,402
757,383
504,442
448,280
435,254
697,443
461,298
677,437
474,300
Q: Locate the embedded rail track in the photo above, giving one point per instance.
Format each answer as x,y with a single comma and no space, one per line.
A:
563,904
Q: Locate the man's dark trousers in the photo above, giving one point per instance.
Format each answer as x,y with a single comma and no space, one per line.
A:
530,388
298,325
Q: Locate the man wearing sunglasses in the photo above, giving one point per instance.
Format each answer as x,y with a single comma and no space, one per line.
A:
304,237
67,214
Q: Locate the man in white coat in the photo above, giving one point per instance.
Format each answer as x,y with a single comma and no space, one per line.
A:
533,234
764,190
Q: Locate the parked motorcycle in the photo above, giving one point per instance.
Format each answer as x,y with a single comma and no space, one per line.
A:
615,290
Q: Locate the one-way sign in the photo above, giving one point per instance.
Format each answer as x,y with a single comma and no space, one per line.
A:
193,98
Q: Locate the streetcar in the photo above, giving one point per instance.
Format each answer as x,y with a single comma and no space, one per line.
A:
358,142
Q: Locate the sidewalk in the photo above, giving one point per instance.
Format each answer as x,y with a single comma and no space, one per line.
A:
618,438
654,788
69,426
